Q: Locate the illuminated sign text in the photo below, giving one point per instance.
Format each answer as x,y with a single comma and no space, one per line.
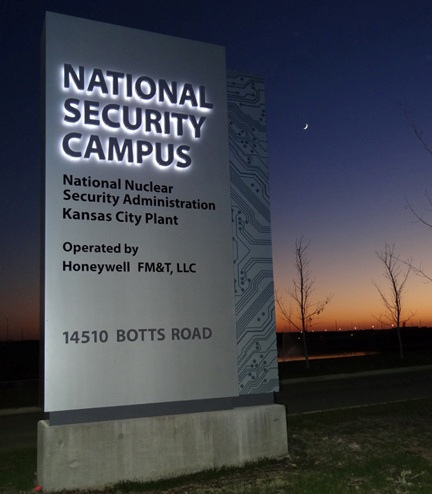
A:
107,115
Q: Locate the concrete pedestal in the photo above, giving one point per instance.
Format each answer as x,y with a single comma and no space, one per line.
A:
97,454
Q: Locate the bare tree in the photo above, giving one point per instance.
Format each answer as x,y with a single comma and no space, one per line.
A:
305,309
422,217
396,274
419,269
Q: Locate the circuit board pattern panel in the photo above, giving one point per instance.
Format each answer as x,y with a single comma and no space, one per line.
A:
253,269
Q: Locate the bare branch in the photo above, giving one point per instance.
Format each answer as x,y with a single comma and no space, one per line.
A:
416,214
417,132
419,271
286,314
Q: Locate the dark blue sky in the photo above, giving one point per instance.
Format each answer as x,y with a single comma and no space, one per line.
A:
348,69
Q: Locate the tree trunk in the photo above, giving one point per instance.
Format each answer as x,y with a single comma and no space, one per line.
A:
401,352
306,355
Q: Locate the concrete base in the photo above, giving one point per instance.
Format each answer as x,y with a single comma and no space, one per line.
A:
98,454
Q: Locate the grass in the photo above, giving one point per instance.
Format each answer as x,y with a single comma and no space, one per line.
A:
17,470
377,449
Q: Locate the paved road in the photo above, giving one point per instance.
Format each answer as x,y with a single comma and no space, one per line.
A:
366,388
19,430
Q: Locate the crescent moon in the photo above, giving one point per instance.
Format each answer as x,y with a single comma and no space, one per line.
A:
306,126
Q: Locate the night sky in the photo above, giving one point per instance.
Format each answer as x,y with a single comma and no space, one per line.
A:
348,69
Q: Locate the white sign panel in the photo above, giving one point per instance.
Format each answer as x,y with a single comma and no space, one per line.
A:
138,254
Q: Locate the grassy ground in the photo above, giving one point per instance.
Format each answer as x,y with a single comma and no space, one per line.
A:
17,470
378,449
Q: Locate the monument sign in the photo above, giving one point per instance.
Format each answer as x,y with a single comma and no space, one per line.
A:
158,315
139,292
